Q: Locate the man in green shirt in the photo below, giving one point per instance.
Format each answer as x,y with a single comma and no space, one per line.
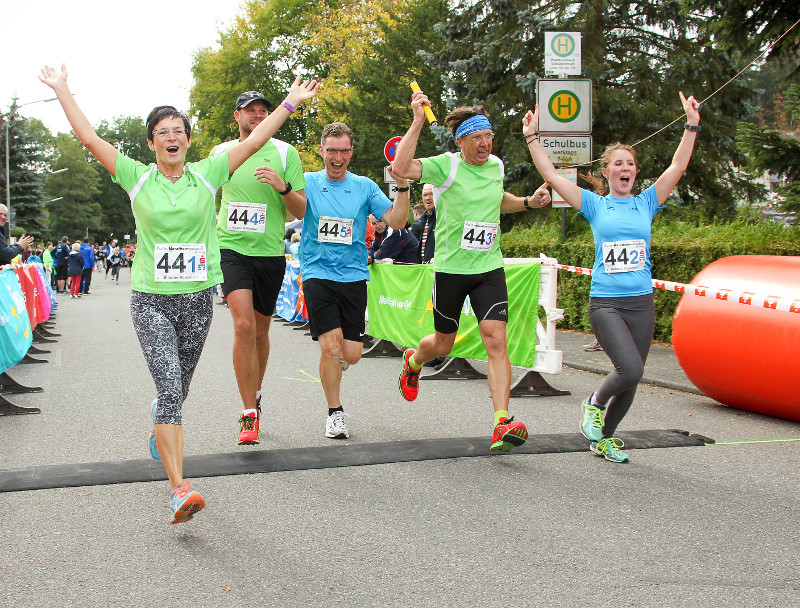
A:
250,224
469,196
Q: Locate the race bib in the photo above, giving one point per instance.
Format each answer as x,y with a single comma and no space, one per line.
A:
335,230
247,217
180,262
479,236
624,256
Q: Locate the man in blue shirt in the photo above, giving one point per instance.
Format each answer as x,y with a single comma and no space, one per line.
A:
333,259
88,264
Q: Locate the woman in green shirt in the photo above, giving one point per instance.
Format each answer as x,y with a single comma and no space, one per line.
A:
177,260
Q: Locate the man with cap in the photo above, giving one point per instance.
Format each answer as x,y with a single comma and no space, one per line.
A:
251,227
469,197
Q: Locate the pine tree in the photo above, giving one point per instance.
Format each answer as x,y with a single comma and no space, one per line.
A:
639,54
26,167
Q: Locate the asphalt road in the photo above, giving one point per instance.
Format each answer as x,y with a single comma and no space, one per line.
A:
690,526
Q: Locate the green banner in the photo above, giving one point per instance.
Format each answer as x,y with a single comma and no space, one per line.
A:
401,310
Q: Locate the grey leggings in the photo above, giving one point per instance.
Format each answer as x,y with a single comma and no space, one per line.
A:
172,330
624,327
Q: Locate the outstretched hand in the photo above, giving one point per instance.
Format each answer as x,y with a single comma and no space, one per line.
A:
301,91
52,77
692,108
530,122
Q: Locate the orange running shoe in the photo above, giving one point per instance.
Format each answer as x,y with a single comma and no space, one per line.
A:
185,502
409,379
508,434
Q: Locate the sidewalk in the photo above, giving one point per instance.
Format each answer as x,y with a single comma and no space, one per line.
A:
662,368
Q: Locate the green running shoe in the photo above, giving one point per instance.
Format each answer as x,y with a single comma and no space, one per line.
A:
609,448
593,421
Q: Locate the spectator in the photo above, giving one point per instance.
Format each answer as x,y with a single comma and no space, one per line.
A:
47,260
88,264
399,245
426,226
419,209
75,269
380,234
294,249
287,240
60,258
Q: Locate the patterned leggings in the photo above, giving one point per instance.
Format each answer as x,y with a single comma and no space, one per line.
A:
172,330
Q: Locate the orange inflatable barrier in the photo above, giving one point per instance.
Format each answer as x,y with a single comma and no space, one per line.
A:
744,353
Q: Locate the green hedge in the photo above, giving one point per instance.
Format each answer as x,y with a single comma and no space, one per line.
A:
678,252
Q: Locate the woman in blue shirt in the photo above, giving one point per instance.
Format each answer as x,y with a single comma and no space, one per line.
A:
621,306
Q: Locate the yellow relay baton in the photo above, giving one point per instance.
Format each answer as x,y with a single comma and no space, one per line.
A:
428,112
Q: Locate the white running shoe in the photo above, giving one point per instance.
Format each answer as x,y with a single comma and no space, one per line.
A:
335,427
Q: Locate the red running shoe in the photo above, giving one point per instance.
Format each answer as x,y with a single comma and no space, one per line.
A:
409,379
249,434
508,434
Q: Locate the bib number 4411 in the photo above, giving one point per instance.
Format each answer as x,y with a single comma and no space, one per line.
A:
180,262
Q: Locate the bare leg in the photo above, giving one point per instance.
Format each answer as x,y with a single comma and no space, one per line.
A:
493,334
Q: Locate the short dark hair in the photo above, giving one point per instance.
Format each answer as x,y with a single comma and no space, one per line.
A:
459,115
335,129
86,239
159,113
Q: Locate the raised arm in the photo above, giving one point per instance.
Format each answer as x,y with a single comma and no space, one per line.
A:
404,163
670,178
298,93
101,149
397,216
568,191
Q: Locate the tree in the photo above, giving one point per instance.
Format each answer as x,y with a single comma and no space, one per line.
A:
777,151
639,54
747,28
264,49
26,166
373,50
76,212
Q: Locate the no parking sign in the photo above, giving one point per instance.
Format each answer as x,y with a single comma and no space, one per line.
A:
390,149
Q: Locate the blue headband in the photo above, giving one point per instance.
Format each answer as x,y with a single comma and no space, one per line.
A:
475,123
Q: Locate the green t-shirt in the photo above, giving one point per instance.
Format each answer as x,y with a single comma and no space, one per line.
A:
177,249
252,215
468,201
47,258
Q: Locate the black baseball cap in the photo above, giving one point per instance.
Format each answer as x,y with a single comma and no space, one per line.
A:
249,97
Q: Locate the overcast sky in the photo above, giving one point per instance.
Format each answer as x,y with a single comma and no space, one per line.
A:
122,58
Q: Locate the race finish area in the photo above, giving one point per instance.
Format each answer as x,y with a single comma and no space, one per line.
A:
296,459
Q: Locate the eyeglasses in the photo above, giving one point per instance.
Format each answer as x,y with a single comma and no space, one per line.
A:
164,132
479,138
335,151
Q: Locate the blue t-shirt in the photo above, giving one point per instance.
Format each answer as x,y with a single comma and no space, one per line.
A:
621,229
336,212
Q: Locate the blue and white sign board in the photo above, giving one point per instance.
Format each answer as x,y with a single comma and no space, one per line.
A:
562,53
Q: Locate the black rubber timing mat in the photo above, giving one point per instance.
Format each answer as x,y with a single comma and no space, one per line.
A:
345,454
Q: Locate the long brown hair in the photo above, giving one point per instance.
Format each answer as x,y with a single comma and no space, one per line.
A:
599,182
